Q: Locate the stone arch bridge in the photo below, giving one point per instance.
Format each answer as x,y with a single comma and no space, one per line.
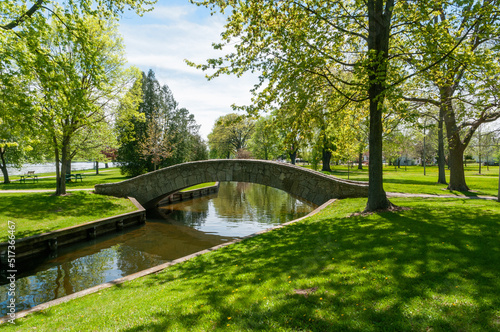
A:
310,185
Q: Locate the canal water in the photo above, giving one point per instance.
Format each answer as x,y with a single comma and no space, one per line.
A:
170,232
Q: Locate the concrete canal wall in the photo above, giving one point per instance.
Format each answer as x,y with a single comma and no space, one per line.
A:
46,243
315,187
49,242
189,194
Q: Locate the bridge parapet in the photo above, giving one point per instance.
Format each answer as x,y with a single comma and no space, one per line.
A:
313,186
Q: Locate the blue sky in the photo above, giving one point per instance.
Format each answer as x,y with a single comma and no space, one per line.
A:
178,30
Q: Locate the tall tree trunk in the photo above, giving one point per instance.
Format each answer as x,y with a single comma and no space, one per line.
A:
3,166
377,198
326,157
457,174
498,186
441,159
360,160
479,147
379,26
293,156
455,146
96,168
61,177
68,164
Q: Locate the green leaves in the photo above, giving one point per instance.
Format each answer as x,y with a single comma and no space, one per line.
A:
230,133
20,14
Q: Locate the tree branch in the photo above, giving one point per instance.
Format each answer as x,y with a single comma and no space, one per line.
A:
23,17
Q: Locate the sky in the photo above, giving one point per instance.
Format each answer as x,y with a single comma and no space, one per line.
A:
174,31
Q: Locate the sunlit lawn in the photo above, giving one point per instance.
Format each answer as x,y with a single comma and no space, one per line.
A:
412,179
432,268
36,213
90,179
200,186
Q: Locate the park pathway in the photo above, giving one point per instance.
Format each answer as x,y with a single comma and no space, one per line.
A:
16,191
390,194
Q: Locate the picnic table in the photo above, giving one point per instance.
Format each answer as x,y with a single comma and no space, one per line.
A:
76,177
29,175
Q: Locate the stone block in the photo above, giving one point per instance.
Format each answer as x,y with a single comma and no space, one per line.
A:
309,184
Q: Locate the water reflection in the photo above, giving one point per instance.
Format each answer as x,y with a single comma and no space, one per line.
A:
239,209
170,232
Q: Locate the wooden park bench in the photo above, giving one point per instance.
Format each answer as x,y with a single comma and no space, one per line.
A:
29,175
76,177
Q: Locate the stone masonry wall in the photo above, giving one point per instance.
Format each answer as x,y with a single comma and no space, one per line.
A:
313,186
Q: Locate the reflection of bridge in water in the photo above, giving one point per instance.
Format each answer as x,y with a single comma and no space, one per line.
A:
310,185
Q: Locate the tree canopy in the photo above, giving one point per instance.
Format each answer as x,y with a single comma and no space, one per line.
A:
284,40
230,134
153,131
77,75
19,14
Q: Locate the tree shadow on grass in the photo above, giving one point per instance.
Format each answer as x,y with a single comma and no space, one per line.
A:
427,268
434,267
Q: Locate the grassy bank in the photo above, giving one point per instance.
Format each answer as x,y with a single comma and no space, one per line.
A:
36,213
199,186
409,180
433,267
48,180
412,179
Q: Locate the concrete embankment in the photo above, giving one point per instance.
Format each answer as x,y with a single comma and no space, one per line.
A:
48,243
189,194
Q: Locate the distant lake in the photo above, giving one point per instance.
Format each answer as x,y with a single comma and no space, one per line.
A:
51,167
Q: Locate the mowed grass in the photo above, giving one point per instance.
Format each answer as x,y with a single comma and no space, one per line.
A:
36,213
48,180
434,267
409,180
200,186
413,180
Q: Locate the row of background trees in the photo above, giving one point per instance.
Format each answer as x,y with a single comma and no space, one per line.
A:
67,93
358,67
408,143
381,58
159,133
62,73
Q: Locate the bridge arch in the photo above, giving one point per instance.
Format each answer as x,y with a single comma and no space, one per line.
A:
313,186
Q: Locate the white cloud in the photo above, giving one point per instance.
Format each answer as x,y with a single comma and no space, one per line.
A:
173,13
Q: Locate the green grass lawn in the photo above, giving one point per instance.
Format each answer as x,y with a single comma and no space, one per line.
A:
201,185
36,213
434,267
90,179
412,180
